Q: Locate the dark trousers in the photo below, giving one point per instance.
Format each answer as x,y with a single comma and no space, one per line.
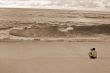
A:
93,57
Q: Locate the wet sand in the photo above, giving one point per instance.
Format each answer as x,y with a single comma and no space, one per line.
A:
53,57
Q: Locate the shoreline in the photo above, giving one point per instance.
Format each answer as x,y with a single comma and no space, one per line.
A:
75,39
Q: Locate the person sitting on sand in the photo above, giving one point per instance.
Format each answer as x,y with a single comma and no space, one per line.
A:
93,54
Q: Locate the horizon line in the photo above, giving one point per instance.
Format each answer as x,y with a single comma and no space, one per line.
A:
83,9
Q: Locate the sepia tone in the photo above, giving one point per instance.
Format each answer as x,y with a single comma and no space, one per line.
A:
35,40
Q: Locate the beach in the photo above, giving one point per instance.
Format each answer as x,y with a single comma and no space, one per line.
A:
53,41
53,57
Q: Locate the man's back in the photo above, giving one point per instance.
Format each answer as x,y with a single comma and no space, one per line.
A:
93,54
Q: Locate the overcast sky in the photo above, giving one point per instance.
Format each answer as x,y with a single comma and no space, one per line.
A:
56,3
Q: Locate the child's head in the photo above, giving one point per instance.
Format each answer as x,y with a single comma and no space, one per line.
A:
93,48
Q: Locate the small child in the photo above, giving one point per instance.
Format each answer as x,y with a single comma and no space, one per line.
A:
93,54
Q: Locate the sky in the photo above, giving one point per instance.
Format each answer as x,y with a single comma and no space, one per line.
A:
57,4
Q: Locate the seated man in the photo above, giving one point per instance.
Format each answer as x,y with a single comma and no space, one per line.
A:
93,54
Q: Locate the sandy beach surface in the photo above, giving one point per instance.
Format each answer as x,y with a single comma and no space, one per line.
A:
53,57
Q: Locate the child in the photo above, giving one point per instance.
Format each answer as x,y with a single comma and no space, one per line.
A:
93,54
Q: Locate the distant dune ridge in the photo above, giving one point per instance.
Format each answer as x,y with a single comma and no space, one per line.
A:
53,23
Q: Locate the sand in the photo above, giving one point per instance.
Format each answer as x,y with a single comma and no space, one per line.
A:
53,57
